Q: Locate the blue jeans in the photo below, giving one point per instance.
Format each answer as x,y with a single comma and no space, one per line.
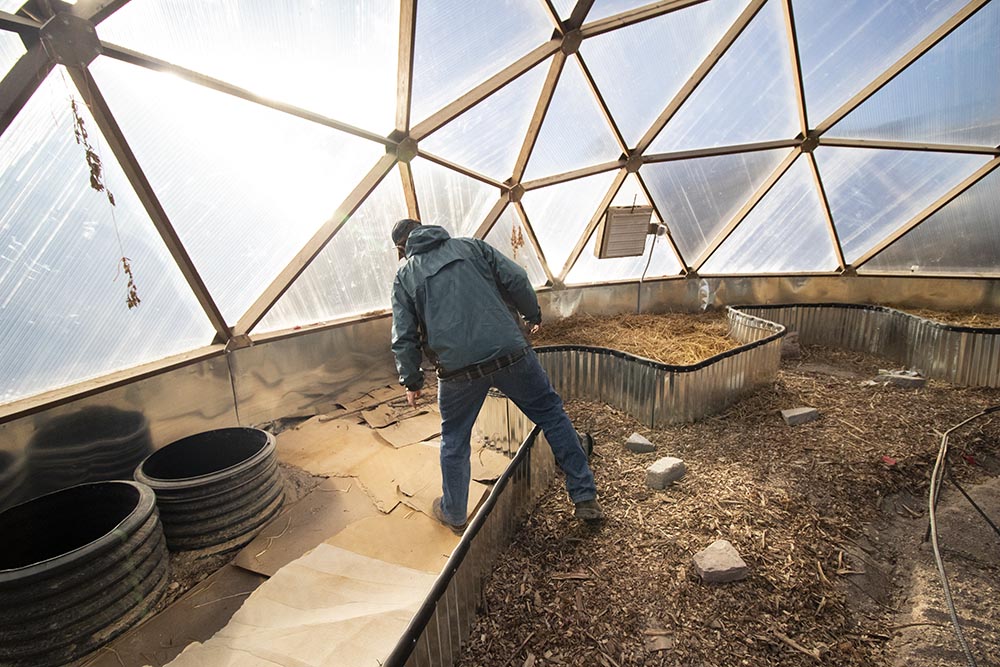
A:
526,384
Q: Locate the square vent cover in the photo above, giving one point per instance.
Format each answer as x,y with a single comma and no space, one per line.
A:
623,232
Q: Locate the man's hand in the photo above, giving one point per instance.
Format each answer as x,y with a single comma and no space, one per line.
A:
535,328
412,396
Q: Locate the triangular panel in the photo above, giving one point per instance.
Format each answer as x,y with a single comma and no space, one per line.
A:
563,7
244,186
450,199
11,6
509,237
575,132
872,192
638,69
63,291
697,198
785,233
338,59
353,274
487,138
605,8
461,44
748,96
951,95
560,213
11,49
843,46
963,237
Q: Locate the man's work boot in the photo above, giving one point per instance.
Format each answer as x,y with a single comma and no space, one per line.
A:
589,511
439,515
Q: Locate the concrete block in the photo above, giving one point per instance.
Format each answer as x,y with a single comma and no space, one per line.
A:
720,563
665,472
638,444
904,380
796,416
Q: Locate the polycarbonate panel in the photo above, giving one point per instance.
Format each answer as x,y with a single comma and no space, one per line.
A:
11,5
354,272
590,269
951,95
639,69
488,137
963,237
508,233
786,232
873,192
748,96
697,198
845,44
11,49
450,199
560,213
336,58
63,311
244,186
575,132
461,44
564,7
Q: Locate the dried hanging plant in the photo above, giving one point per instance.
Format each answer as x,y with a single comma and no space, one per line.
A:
132,299
516,240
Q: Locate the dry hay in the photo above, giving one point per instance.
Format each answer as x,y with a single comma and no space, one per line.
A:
795,502
670,338
961,319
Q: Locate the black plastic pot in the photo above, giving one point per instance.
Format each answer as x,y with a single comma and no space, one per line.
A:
215,490
78,567
13,475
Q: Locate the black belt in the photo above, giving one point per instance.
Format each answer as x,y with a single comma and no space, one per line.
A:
482,370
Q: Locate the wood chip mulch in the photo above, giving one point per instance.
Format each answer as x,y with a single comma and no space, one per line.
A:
792,500
982,320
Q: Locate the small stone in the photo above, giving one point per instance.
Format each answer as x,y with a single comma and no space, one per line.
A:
665,472
174,586
638,444
796,416
720,563
790,348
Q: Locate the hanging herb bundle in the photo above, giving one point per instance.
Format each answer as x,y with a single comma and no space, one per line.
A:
516,240
132,299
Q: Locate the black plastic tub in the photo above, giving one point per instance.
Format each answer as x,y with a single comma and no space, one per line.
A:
78,567
215,490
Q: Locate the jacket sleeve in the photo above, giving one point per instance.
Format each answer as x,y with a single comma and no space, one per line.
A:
514,279
406,338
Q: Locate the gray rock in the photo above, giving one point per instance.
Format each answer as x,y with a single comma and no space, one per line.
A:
665,472
638,444
796,416
720,563
905,380
790,348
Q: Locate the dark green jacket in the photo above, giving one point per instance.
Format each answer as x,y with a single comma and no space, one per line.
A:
453,287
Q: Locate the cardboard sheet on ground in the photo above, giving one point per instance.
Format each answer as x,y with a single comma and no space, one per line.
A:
380,416
412,430
330,448
402,537
329,508
330,607
488,464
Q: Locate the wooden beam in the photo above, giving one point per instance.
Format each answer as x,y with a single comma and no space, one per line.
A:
594,220
538,117
793,50
142,60
888,75
96,11
720,150
579,14
553,14
314,246
113,134
699,74
602,104
908,146
670,238
409,191
583,172
460,169
827,214
633,16
526,223
21,82
744,211
22,25
404,79
485,89
872,273
940,203
491,218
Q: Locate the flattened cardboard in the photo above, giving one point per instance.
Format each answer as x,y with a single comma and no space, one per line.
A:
402,537
412,430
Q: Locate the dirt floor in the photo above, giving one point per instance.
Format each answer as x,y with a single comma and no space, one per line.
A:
982,320
829,515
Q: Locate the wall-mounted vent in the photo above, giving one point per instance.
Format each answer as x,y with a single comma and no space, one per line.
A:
623,232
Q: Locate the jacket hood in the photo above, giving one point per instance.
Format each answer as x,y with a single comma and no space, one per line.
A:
424,238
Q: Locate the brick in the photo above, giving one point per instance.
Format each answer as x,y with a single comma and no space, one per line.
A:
796,416
665,472
638,444
720,563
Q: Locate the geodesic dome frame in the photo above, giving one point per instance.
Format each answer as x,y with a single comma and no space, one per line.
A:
771,137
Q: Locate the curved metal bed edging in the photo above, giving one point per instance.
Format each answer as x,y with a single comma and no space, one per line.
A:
657,394
961,355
